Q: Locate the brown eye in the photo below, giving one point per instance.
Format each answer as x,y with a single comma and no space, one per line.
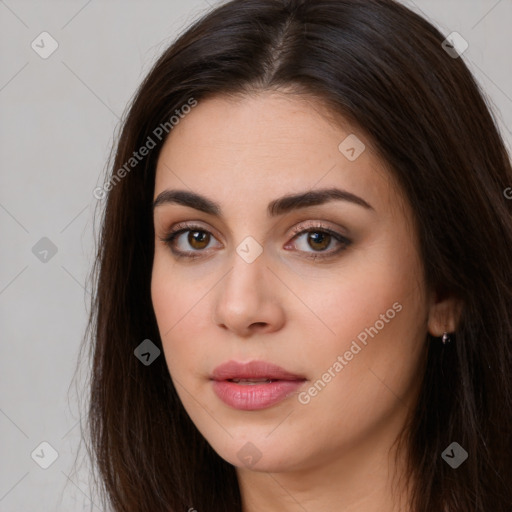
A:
319,240
190,242
198,239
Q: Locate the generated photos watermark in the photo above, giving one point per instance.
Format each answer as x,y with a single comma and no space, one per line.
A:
158,133
343,360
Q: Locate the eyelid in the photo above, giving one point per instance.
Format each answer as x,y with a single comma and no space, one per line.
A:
316,224
191,225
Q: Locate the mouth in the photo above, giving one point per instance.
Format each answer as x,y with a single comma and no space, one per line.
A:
252,382
254,385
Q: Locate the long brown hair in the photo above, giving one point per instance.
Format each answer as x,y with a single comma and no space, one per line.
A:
383,68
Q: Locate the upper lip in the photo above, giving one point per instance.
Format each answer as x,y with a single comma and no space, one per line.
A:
252,370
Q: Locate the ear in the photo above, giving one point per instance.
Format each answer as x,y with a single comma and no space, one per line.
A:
444,314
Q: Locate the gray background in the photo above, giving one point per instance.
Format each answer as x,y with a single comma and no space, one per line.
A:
58,120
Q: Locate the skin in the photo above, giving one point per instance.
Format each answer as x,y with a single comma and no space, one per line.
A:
335,452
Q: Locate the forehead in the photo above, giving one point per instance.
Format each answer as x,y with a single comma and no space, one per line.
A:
265,145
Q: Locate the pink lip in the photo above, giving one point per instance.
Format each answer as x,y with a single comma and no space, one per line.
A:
251,397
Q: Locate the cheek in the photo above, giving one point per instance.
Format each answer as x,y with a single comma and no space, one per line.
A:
376,315
171,298
174,292
180,301
348,300
359,295
362,387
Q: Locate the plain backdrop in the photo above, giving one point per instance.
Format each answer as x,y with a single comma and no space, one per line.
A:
58,119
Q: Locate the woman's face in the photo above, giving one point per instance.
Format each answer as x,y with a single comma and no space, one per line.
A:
279,270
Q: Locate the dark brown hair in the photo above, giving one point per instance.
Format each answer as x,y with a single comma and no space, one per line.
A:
382,68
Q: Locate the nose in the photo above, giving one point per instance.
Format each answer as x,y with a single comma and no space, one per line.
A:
247,300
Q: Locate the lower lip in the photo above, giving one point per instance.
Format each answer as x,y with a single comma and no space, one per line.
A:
251,397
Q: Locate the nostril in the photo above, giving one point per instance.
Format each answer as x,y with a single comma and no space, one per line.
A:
259,325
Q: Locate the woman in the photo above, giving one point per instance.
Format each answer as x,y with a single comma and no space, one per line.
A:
304,285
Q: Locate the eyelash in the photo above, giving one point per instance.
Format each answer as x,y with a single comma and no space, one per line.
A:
319,228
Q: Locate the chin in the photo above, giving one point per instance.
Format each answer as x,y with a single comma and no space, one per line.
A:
260,453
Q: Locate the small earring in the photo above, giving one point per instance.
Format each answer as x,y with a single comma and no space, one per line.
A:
446,338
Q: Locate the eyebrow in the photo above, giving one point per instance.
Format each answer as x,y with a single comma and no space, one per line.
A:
276,207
